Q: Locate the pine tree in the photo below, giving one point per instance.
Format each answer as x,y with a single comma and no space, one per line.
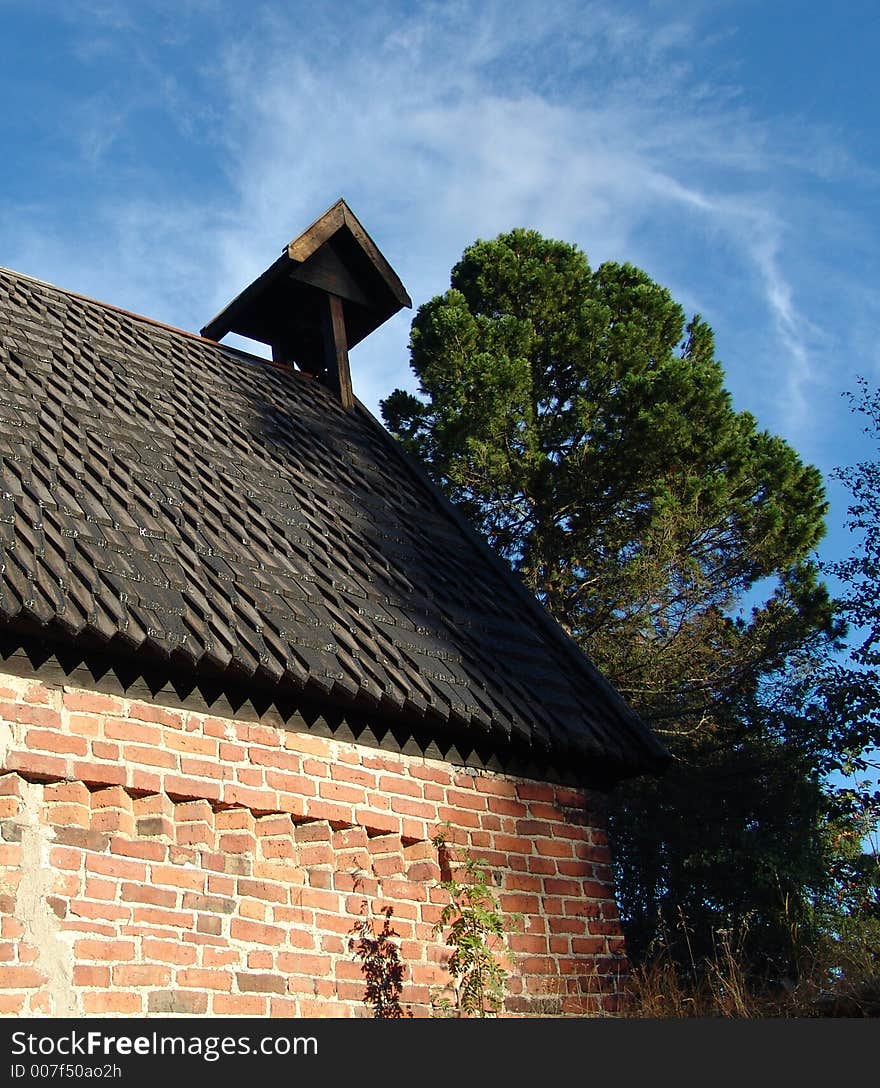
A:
583,426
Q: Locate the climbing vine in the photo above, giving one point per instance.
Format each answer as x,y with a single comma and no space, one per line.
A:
474,928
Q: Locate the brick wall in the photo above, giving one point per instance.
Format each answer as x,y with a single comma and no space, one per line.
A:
162,861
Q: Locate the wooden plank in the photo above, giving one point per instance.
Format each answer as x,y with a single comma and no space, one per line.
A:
326,271
373,252
338,372
226,320
324,227
336,217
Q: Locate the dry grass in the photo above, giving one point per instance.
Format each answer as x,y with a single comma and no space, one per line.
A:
841,980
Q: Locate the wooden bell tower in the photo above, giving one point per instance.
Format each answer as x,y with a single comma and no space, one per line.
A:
329,289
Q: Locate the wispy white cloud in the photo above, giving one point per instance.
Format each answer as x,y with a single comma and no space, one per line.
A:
602,123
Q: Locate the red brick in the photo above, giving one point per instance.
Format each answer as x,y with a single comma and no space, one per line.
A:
237,842
424,871
305,742
37,715
503,806
304,963
265,735
231,753
123,868
102,749
148,712
106,774
112,1002
407,807
431,774
552,848
118,951
280,759
400,785
177,877
256,932
192,743
259,801
11,927
238,1005
37,766
86,974
573,868
39,693
334,791
93,703
462,799
153,757
336,923
535,791
62,857
138,893
111,797
336,815
355,775
123,729
170,951
262,889
157,916
186,789
104,910
458,818
203,768
381,822
11,785
201,979
144,781
44,740
87,725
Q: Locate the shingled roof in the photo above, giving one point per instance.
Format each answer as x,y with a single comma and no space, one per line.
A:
170,499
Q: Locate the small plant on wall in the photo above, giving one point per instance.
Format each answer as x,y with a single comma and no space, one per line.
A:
474,927
381,966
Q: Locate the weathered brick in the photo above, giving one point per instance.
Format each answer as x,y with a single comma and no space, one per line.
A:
134,974
260,983
185,1003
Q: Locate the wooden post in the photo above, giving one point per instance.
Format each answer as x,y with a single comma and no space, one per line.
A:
337,373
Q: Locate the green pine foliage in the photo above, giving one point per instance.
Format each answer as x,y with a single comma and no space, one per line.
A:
580,420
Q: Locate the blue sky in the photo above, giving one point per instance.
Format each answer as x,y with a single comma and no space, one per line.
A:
158,155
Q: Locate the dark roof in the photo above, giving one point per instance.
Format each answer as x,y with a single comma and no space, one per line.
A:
167,497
